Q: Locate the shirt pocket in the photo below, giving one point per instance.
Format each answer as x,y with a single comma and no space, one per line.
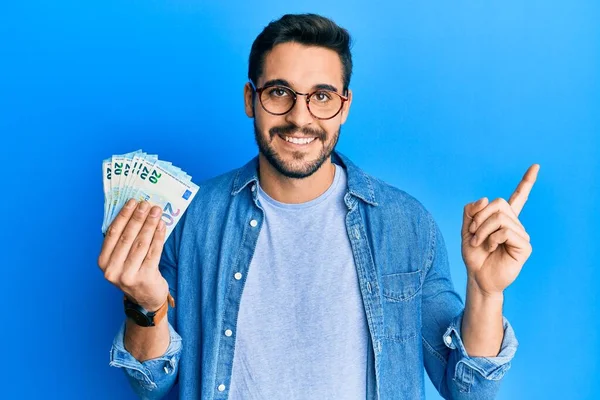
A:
401,305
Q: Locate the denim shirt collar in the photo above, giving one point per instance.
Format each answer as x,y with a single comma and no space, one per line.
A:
359,183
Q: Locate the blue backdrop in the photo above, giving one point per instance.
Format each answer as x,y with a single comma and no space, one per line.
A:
452,102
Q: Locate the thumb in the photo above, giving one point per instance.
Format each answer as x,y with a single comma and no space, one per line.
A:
469,212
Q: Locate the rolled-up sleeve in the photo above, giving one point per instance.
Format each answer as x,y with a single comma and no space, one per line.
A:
453,372
470,372
151,379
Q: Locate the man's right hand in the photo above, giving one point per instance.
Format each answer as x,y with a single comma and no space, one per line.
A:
131,253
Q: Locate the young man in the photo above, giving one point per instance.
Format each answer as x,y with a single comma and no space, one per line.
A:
299,276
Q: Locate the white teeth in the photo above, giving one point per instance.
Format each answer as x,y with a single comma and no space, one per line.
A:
298,140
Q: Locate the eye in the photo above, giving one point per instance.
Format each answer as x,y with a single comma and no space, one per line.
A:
322,96
277,92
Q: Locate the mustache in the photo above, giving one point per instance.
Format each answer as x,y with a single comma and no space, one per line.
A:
291,129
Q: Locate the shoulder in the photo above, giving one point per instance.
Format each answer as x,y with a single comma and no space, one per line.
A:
391,199
382,196
214,194
219,185
396,214
205,213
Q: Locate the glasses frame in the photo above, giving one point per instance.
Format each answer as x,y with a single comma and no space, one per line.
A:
296,94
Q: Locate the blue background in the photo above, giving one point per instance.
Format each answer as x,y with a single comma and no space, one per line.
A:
452,102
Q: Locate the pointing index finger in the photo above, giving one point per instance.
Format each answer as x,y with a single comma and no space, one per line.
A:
521,193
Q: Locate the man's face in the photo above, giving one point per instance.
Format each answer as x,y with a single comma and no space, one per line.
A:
303,69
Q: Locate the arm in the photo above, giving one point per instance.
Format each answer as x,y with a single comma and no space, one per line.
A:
150,378
148,355
481,328
144,343
494,247
454,373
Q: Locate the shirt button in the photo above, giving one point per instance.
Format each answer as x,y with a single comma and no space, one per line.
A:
228,332
253,187
221,387
238,275
448,340
253,223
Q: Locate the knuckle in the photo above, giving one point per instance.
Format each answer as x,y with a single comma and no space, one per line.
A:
151,255
101,261
128,280
125,238
121,216
111,275
138,217
505,219
112,231
500,203
140,243
124,211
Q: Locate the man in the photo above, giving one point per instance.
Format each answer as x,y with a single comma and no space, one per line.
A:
299,276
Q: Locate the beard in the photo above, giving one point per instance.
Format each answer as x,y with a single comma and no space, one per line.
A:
288,169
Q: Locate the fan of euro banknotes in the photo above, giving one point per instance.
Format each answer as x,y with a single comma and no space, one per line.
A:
143,176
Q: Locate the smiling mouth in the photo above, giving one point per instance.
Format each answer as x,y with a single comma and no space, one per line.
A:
299,141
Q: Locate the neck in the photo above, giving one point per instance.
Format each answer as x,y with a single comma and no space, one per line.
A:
292,190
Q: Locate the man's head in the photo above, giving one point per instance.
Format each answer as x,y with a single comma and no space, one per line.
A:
308,54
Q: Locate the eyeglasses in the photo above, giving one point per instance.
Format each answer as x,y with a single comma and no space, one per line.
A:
279,100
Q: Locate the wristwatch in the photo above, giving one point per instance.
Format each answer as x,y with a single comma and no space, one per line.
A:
143,317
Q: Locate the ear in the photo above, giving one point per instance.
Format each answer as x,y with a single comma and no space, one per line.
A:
248,94
346,108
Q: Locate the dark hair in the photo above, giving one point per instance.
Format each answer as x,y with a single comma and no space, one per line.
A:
307,29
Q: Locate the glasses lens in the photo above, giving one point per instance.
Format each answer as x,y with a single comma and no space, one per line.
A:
325,104
277,99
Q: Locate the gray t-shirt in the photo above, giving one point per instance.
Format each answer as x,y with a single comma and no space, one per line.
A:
301,330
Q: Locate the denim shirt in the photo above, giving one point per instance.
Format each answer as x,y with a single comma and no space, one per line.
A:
413,313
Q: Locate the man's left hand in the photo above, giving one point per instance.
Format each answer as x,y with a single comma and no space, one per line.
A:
495,244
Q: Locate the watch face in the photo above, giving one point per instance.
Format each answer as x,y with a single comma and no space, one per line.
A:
139,318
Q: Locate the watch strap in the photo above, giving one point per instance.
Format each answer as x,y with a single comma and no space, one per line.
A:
162,311
158,315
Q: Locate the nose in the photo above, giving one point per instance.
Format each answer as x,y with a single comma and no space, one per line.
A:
299,114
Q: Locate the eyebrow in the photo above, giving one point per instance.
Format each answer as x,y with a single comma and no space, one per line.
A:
283,82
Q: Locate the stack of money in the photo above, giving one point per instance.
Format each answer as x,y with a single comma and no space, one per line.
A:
144,177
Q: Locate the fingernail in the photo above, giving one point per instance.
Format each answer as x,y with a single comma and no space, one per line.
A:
130,203
155,211
474,240
143,206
